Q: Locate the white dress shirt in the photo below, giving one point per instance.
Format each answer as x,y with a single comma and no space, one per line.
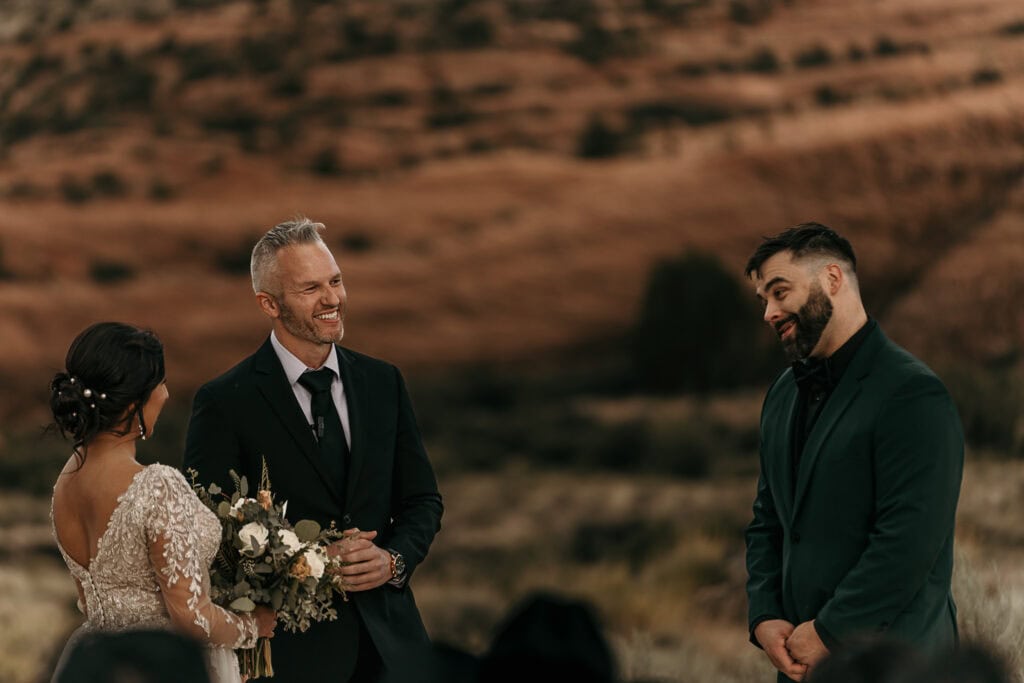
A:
293,368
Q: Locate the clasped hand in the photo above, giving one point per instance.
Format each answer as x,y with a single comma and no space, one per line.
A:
365,566
793,650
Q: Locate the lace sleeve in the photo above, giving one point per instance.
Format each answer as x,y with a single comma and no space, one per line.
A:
173,536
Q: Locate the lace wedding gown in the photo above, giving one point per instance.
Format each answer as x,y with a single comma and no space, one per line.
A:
151,570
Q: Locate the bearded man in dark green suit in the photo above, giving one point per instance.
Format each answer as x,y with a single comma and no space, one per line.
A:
861,462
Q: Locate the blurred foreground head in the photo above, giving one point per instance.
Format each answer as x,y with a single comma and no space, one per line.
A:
549,638
154,656
892,661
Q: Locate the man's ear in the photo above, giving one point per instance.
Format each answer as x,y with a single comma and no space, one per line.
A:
268,305
834,278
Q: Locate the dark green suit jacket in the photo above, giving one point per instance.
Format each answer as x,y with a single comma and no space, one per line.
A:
250,413
862,540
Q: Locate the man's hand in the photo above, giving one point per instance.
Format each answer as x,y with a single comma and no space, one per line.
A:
772,635
805,645
366,566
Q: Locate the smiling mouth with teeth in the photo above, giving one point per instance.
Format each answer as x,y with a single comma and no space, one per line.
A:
332,315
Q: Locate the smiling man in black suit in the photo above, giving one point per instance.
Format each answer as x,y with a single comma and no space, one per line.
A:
861,461
341,444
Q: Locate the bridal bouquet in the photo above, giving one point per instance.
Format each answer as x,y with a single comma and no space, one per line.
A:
263,560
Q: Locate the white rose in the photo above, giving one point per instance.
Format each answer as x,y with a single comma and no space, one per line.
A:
290,541
254,531
315,562
236,509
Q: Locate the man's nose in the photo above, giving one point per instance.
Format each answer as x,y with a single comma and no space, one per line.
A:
771,312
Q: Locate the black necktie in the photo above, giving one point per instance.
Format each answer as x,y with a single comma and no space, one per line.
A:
330,435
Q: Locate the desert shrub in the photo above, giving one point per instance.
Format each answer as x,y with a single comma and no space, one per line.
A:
74,190
763,61
814,56
263,54
986,76
5,272
1014,28
598,140
235,259
326,162
161,191
828,96
290,84
107,183
450,115
749,12
887,47
237,119
19,126
989,401
663,112
693,69
698,330
119,82
594,44
358,40
633,541
357,242
110,272
855,53
199,61
25,189
472,33
390,98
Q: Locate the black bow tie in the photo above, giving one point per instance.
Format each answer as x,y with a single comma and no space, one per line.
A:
813,374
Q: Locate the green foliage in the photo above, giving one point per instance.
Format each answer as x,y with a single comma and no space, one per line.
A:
199,61
356,242
74,190
990,402
750,12
986,76
107,183
110,272
326,162
161,191
698,329
1014,28
598,140
814,56
828,96
677,110
634,541
763,61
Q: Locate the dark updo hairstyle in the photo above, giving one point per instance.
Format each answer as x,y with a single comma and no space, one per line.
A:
110,371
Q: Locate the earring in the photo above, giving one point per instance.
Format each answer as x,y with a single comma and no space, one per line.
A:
142,431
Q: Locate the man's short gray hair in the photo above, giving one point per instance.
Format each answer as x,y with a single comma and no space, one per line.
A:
299,230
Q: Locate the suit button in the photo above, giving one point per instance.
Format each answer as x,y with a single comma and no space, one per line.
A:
347,520
796,537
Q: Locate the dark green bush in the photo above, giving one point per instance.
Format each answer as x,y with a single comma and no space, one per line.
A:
763,61
990,403
107,183
598,140
74,190
814,56
634,541
326,162
1015,28
110,272
698,329
986,76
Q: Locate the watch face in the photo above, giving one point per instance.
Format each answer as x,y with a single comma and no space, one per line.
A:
399,565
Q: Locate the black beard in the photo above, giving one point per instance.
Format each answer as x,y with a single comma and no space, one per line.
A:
811,321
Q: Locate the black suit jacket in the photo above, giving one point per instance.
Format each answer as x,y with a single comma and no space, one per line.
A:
862,540
250,413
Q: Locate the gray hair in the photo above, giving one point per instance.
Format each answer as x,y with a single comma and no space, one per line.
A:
299,230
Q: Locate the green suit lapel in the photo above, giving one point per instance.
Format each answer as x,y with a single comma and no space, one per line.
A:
838,403
783,456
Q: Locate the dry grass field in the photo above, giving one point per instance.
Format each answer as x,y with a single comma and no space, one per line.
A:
499,178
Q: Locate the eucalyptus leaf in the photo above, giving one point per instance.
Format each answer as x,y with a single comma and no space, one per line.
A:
243,487
277,599
224,509
214,489
242,605
307,530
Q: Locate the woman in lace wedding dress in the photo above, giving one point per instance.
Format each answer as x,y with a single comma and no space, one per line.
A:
136,539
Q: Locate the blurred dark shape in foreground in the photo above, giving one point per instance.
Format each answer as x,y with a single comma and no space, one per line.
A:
891,661
144,656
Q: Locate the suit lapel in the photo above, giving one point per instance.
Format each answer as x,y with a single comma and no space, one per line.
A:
838,403
784,459
273,384
356,404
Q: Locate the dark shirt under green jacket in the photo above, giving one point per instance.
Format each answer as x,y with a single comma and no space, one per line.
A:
861,539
